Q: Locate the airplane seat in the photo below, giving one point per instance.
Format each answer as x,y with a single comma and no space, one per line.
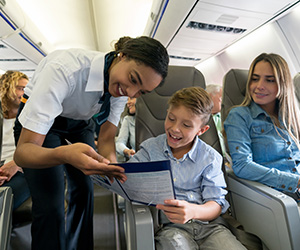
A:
23,213
141,221
6,204
265,212
296,81
234,91
151,109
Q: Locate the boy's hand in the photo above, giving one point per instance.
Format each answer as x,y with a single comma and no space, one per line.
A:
177,211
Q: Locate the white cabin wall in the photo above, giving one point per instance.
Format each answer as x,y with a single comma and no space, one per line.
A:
213,70
290,27
280,37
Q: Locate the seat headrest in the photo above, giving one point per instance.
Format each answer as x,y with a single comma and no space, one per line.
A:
296,81
237,78
234,89
151,108
178,78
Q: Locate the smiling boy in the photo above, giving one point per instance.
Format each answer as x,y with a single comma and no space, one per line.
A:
198,178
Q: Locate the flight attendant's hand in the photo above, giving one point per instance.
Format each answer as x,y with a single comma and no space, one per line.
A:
86,159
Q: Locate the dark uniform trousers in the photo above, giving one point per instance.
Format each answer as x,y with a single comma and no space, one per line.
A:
51,229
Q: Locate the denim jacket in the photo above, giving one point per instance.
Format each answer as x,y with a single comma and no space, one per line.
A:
261,152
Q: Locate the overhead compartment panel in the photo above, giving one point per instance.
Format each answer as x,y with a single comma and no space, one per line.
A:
210,26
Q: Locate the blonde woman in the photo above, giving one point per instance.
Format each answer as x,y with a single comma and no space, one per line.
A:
12,85
263,132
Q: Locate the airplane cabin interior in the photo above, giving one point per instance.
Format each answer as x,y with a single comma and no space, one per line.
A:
208,42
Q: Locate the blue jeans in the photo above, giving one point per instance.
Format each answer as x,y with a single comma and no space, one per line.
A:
19,188
50,228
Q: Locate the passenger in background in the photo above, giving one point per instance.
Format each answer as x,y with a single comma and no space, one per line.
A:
215,92
198,178
12,85
67,89
126,135
263,132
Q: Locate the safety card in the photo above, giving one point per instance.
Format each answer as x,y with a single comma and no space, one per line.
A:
148,183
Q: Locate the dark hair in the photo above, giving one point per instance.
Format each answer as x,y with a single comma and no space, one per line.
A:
145,50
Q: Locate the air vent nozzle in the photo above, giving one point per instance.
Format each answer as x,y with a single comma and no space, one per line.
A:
185,58
13,60
213,27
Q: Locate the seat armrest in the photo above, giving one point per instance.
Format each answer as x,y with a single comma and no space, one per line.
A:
6,204
271,215
23,213
139,231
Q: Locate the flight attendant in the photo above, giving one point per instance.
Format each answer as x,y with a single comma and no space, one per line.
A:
55,132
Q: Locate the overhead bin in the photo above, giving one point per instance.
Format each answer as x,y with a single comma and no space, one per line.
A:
182,25
18,49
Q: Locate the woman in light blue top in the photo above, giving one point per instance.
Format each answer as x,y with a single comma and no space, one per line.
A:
263,132
126,135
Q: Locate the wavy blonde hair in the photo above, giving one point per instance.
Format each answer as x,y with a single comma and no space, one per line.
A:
8,84
287,104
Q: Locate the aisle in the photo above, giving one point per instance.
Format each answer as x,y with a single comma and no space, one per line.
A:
106,237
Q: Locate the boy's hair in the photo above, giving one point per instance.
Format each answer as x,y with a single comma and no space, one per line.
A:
194,98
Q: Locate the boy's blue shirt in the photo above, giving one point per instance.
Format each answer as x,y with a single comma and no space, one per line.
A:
259,152
197,176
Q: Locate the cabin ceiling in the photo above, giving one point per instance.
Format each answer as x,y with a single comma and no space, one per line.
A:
191,30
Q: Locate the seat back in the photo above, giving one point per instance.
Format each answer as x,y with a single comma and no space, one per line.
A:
151,109
6,203
234,89
297,85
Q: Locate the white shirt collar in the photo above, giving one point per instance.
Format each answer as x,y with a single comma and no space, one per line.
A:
96,77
